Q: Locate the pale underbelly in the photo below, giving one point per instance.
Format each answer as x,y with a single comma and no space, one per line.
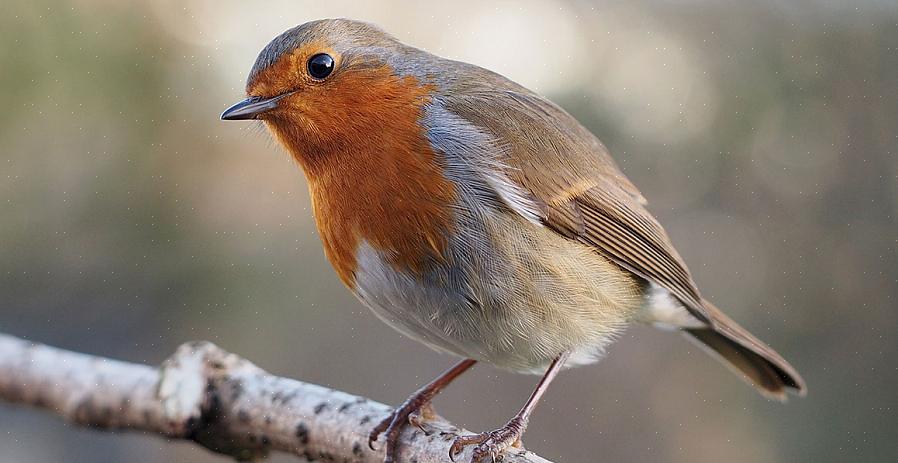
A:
511,293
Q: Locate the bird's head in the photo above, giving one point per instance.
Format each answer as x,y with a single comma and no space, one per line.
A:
349,101
327,86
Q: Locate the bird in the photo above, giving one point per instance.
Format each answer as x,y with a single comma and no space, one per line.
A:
477,217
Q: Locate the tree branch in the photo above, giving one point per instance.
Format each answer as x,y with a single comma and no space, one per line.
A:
215,398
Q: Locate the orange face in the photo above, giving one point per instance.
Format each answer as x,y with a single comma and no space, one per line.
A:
373,175
306,99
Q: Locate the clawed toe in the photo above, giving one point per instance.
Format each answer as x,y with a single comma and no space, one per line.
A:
391,426
378,430
491,444
415,410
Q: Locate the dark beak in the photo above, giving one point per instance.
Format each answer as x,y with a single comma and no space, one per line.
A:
251,108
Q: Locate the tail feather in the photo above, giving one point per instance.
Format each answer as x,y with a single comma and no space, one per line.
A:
760,365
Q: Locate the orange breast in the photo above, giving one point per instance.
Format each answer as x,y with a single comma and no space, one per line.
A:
373,174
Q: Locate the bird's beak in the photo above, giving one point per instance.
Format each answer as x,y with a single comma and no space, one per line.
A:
252,107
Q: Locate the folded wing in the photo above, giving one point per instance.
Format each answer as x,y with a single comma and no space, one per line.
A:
582,194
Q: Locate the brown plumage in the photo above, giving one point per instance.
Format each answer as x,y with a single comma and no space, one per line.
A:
477,217
554,158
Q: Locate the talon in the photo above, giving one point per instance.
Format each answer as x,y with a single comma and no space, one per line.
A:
453,452
418,404
458,446
492,444
380,428
492,450
460,442
391,426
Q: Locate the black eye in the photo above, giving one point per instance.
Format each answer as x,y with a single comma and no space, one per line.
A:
321,65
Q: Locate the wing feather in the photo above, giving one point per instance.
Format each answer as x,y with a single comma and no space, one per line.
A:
582,194
581,190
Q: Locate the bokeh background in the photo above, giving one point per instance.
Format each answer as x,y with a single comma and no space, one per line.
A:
765,135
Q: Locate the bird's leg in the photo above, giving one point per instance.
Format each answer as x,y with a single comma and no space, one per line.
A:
415,409
493,444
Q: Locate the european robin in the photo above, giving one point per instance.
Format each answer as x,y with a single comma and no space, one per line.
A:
477,217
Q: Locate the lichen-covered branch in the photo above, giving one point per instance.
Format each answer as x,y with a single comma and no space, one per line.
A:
214,398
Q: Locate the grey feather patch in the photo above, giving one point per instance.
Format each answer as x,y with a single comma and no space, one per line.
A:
473,156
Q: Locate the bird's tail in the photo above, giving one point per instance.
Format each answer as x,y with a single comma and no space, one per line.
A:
745,354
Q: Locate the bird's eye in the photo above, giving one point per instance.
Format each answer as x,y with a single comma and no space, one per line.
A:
321,65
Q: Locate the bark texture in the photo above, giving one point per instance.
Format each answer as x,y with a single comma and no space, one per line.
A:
215,398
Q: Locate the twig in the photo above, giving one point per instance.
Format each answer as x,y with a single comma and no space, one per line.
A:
215,398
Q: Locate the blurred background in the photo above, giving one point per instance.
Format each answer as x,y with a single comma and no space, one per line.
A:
763,134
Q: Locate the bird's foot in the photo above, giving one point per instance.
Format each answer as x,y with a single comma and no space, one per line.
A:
416,410
421,417
491,444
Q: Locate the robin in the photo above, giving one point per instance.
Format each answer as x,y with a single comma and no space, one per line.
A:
477,217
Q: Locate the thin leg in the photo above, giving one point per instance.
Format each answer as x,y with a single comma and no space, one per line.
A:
495,443
418,402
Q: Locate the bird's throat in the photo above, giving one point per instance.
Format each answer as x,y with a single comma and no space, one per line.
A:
380,182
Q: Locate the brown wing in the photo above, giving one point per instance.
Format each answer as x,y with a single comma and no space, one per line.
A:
583,195
580,189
